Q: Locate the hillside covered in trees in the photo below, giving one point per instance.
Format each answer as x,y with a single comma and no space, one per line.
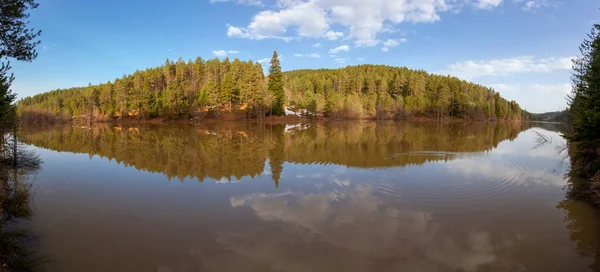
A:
214,88
554,116
379,91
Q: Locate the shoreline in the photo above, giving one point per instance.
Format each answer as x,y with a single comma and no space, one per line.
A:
286,119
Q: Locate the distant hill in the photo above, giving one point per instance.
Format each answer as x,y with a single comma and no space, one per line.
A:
555,116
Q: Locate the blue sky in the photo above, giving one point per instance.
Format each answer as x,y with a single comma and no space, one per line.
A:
522,48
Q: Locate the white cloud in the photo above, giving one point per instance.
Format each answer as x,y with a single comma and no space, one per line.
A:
316,45
364,20
528,95
241,2
265,60
487,4
361,60
502,67
535,4
308,18
333,35
504,87
223,53
220,53
336,50
233,31
237,32
366,43
392,43
554,89
311,55
558,88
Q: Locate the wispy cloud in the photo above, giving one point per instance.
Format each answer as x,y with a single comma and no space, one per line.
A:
311,55
562,89
224,53
392,43
241,2
338,49
501,67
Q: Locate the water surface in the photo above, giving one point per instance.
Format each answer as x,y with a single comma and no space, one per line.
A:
355,196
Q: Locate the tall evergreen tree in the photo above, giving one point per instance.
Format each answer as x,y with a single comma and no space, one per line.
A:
17,41
179,88
585,111
586,92
276,85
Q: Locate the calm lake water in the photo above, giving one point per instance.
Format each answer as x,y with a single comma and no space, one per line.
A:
355,196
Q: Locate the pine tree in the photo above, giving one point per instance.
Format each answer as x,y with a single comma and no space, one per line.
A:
227,89
175,88
586,93
276,85
18,42
210,93
252,85
585,112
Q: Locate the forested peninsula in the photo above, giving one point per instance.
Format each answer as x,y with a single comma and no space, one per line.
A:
224,89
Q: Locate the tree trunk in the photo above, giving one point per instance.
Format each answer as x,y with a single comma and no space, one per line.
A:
15,155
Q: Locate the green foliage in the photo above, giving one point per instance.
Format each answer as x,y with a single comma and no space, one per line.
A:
17,41
586,93
6,97
276,85
377,91
175,89
178,89
585,112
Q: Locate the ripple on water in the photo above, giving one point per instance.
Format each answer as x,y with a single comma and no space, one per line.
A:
482,188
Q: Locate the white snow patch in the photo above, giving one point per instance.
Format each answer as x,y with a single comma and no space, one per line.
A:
296,127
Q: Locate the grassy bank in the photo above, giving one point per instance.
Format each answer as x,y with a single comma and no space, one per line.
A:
14,255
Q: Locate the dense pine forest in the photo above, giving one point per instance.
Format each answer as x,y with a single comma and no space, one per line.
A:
219,88
379,91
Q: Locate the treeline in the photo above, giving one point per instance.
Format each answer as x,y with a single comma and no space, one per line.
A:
232,150
173,90
216,87
555,116
584,103
384,92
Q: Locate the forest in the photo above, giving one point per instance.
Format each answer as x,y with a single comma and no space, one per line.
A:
220,88
584,112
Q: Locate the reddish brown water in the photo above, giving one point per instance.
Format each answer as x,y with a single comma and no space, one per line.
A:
321,197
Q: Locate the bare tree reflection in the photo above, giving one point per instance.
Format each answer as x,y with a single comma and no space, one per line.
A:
17,166
584,229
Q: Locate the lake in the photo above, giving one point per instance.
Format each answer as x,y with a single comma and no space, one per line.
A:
338,196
